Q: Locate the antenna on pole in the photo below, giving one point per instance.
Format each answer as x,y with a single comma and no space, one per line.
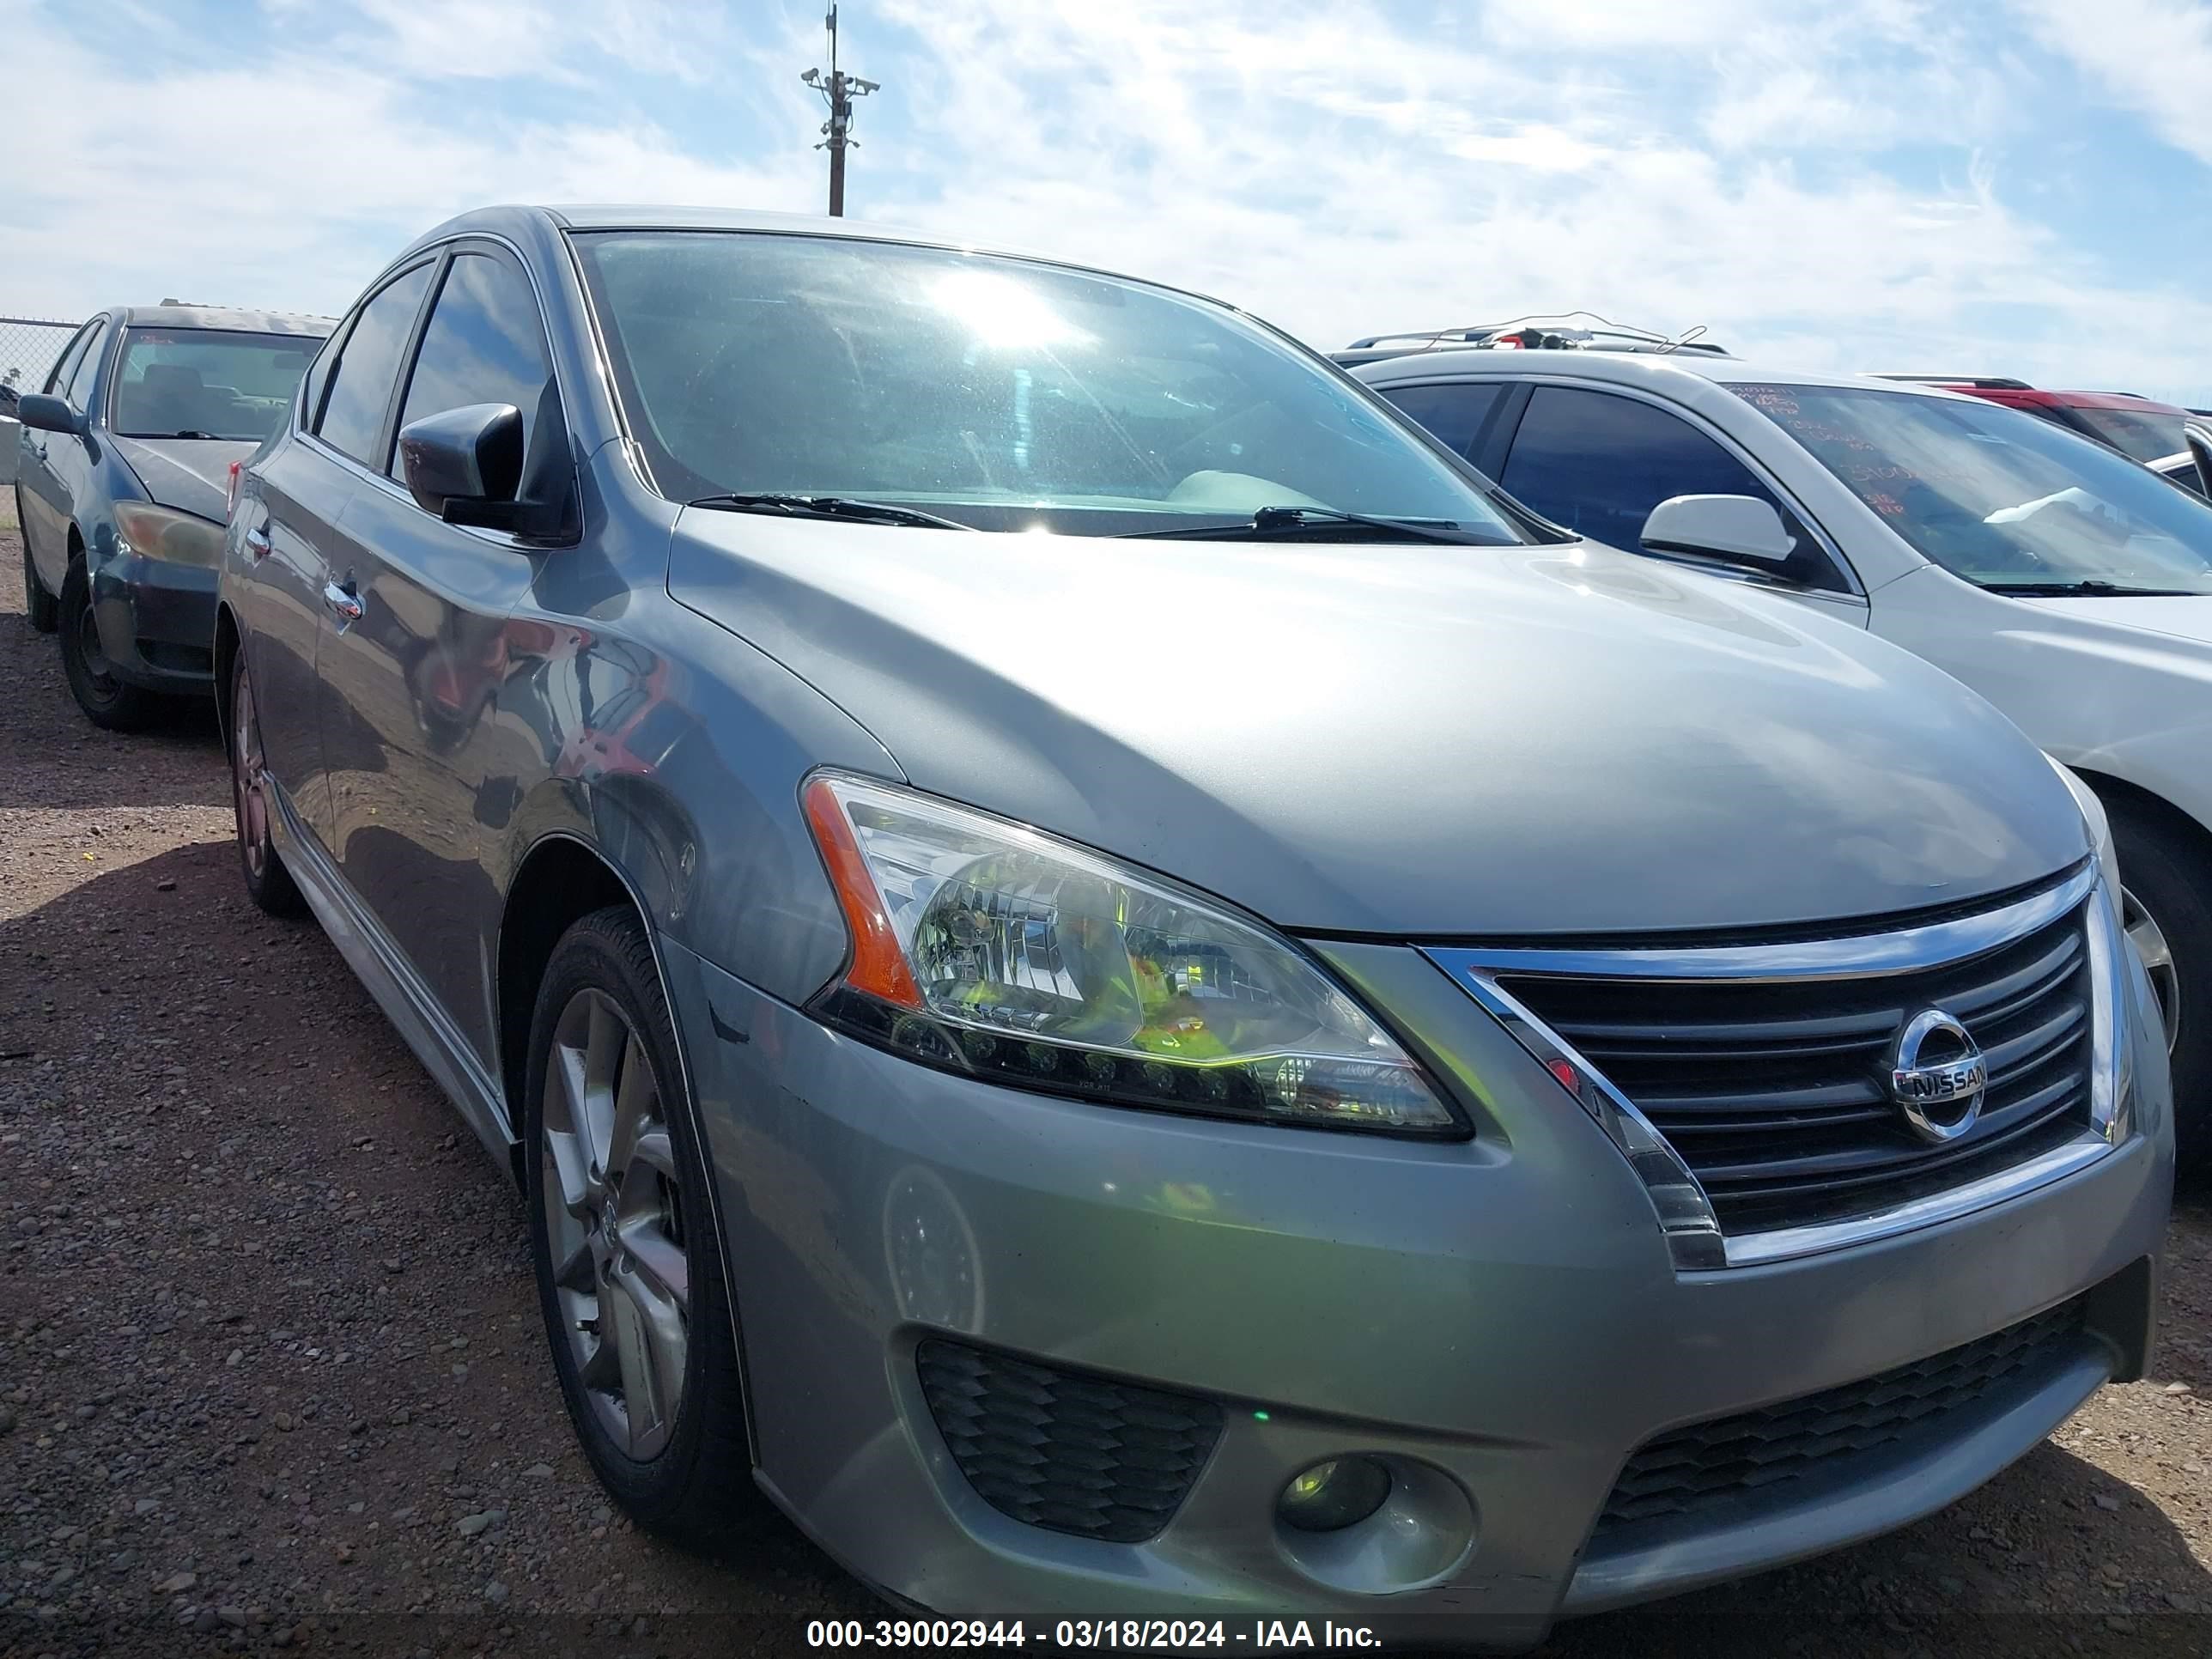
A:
838,90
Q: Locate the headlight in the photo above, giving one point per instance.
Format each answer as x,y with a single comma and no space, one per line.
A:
161,532
984,947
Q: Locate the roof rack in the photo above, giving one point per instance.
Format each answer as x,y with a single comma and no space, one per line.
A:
1555,332
1990,382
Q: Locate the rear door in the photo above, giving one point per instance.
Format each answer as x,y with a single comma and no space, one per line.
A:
1597,462
51,465
411,687
304,484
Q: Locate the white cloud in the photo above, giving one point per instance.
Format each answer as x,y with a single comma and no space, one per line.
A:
1335,168
1341,176
2153,57
287,179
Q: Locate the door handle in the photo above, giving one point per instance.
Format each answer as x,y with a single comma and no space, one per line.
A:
344,604
257,544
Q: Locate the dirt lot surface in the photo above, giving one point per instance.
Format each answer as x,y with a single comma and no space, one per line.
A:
272,1374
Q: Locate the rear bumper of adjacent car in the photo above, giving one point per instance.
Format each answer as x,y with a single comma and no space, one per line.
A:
156,621
1497,1321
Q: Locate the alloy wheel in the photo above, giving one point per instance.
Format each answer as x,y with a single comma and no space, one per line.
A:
615,1224
249,793
2149,940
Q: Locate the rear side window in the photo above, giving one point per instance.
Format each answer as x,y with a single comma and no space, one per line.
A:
483,345
1598,463
1457,414
369,368
87,370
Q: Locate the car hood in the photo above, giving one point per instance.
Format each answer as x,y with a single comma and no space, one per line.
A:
1405,740
2180,616
190,474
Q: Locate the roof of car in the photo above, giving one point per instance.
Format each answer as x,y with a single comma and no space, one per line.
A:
1630,368
663,216
171,315
511,217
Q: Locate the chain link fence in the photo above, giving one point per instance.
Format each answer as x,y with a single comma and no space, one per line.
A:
28,347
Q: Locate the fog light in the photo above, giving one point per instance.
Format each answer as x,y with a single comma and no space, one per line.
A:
1331,1495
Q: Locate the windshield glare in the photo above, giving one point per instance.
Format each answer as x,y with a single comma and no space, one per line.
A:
1002,393
207,382
1996,497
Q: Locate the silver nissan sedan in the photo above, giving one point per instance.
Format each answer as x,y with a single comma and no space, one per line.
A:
1119,987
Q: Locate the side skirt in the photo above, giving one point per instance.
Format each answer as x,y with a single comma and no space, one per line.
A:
378,964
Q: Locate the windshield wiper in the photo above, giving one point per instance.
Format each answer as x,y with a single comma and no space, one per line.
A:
1279,520
828,506
2092,587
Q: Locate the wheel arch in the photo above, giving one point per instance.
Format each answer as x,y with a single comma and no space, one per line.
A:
226,646
2130,797
561,878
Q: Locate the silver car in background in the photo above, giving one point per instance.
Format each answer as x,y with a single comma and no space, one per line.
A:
1122,989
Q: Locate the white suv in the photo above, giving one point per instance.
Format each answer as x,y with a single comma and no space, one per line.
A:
2071,586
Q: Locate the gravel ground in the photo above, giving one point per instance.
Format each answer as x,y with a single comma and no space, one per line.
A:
271,1374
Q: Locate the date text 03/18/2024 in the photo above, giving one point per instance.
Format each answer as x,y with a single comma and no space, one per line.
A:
1163,1635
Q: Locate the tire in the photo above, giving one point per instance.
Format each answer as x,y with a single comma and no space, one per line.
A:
268,883
680,1468
108,702
44,611
2166,901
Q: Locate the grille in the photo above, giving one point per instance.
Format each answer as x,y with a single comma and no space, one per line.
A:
1690,1469
1774,1092
1065,1451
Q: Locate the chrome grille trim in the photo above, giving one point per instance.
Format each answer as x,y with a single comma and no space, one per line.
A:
1696,1241
1849,956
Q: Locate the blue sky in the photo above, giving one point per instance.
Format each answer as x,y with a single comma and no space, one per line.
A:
2009,186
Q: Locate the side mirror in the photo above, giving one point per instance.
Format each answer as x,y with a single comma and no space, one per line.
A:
2200,445
465,464
1740,529
50,414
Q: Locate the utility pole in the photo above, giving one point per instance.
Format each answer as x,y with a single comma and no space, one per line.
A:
838,90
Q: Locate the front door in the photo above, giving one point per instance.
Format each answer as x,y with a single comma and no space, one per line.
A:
1599,461
411,685
307,484
51,465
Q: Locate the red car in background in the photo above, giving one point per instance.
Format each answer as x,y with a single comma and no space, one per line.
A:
2140,427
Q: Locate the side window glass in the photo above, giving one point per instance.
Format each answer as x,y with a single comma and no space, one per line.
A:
318,376
87,369
367,367
65,365
1457,414
1598,463
483,344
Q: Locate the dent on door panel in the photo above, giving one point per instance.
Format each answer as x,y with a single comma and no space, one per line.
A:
410,692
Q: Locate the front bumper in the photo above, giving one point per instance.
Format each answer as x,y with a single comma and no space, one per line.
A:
156,621
1501,1312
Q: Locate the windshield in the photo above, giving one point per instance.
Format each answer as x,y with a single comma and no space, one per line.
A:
207,382
1996,497
2147,434
1002,393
